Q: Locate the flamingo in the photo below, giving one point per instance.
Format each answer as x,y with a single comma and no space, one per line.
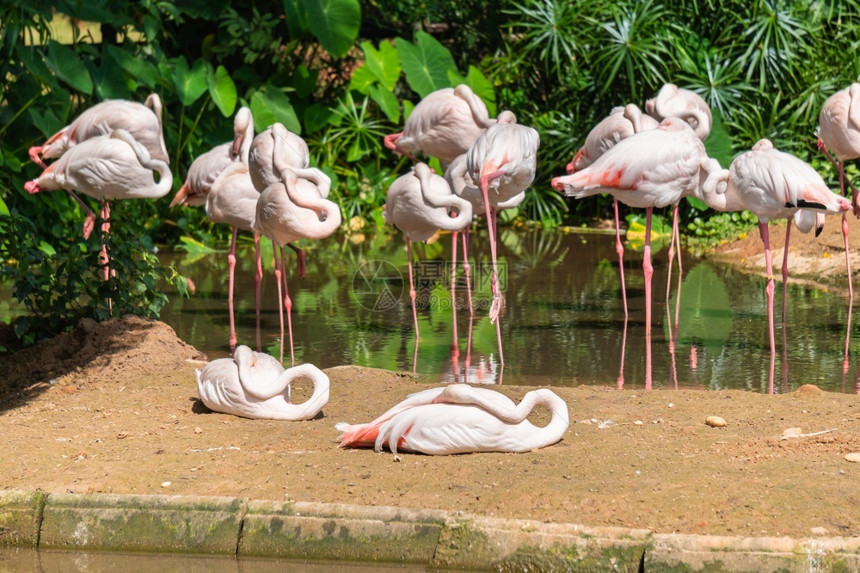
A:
107,167
621,123
289,209
294,153
142,121
220,179
255,385
420,203
444,125
773,185
459,418
503,159
652,168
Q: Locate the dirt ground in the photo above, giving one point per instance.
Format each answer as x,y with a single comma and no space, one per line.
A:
816,261
113,408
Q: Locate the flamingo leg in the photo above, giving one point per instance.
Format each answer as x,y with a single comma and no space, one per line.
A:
455,348
275,248
785,271
496,305
301,265
765,237
619,248
467,271
231,266
412,293
104,257
671,261
258,283
648,271
677,232
620,381
288,305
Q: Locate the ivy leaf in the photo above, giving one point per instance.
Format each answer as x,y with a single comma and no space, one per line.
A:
67,66
335,23
190,84
222,88
425,63
271,105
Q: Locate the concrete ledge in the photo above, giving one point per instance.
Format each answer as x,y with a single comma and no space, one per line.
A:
299,530
20,518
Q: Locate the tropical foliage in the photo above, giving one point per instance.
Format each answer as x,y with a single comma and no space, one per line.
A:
343,73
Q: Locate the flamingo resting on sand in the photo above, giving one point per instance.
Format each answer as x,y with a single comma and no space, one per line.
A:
420,203
106,167
292,208
459,418
255,385
621,123
141,120
652,168
503,161
444,125
772,185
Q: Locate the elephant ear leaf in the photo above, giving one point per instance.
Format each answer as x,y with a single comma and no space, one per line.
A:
425,63
222,88
335,23
190,84
67,66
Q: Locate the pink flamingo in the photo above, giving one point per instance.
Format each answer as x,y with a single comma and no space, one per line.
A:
503,159
420,203
672,101
255,385
459,418
289,209
444,125
621,123
142,121
221,180
652,168
774,185
294,153
106,168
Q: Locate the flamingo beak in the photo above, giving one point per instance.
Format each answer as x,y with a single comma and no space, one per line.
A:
557,184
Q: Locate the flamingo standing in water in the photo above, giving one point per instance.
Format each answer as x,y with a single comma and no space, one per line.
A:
621,123
221,178
420,203
293,207
255,385
141,120
107,167
459,418
503,162
652,168
774,185
444,125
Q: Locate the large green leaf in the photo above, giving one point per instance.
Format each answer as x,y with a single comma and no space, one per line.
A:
66,65
387,102
36,66
271,105
222,88
335,23
297,20
190,84
719,144
110,82
4,210
426,63
141,70
383,63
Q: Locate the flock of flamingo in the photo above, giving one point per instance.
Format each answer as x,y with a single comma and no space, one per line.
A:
263,183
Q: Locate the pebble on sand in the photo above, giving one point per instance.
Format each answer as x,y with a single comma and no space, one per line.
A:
715,421
853,457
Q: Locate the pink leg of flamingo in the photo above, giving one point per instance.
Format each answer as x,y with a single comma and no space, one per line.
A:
231,266
258,283
765,237
496,305
455,347
648,271
785,271
619,248
288,305
412,293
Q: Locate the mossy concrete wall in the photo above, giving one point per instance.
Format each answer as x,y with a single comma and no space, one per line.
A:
441,539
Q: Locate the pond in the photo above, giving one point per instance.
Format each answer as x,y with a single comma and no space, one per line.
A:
563,322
